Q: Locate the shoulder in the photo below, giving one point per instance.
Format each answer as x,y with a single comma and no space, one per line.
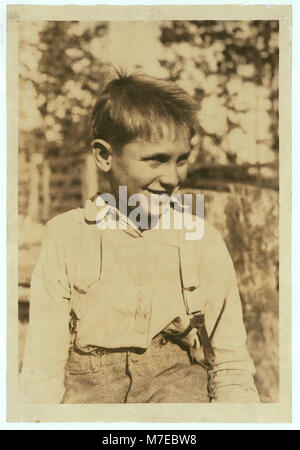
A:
213,252
206,243
212,238
69,218
66,226
62,240
201,236
206,237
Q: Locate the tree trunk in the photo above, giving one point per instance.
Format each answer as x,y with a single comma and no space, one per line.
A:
33,203
46,191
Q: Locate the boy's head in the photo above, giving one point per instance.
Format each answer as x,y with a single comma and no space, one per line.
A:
142,129
140,107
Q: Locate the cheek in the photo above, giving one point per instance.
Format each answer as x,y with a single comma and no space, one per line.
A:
135,177
182,172
141,175
125,173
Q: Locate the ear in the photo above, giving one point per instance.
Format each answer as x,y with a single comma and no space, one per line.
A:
102,154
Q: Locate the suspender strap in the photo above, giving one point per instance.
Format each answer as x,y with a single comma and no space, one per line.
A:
198,322
88,266
192,292
89,258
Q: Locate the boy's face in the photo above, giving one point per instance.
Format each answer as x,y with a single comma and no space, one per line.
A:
147,167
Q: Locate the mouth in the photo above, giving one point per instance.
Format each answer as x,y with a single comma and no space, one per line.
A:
156,192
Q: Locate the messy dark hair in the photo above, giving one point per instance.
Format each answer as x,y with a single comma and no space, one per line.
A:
137,106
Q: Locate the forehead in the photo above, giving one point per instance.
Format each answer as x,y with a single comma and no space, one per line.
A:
165,131
142,147
172,142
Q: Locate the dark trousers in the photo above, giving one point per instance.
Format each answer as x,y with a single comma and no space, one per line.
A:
162,373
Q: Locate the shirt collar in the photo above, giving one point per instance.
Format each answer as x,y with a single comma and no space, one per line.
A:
95,214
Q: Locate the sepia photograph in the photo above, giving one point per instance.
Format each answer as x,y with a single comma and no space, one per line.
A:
148,206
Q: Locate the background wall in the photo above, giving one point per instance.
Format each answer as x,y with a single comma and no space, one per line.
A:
231,69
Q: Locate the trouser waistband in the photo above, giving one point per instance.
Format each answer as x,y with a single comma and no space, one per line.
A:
159,340
161,373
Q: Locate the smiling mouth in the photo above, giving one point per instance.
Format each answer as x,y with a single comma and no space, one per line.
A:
152,191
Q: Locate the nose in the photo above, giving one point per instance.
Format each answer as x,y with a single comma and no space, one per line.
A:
170,178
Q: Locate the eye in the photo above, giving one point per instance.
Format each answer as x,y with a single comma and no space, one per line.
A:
154,163
159,158
156,160
182,160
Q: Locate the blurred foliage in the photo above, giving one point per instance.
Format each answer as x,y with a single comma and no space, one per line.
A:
70,76
66,81
231,69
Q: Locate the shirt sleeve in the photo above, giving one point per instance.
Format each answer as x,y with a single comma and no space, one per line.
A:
47,343
231,379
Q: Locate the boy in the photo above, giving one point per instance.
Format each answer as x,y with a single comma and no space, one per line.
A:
129,294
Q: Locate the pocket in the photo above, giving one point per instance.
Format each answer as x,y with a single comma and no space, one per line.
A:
160,358
82,364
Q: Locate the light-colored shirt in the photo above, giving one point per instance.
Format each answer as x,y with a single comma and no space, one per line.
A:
143,293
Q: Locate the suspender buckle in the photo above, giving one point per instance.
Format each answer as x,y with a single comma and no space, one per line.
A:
198,322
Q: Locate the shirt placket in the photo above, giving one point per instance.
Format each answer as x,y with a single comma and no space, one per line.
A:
144,288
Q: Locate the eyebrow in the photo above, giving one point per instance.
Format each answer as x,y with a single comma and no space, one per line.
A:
186,154
164,155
